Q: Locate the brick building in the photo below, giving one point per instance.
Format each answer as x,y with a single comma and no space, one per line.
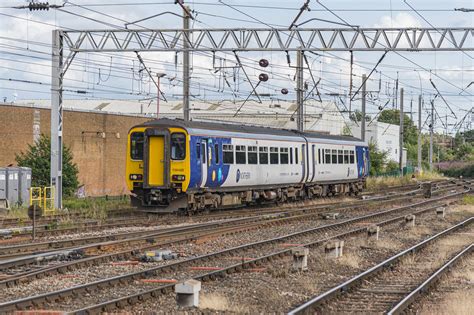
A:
98,142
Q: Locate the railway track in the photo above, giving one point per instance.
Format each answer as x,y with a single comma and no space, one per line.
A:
21,256
259,251
390,286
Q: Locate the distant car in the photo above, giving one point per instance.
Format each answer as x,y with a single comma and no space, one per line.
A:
195,166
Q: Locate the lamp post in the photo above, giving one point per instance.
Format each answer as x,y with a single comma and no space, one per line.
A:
158,77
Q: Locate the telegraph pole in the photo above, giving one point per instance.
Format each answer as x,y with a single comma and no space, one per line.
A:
431,135
299,90
57,118
401,132
362,123
419,134
186,64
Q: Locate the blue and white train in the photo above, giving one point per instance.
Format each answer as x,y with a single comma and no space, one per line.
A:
200,165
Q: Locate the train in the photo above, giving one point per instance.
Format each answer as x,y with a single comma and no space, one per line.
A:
196,166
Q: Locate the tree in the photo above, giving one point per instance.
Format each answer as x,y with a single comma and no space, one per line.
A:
378,159
37,157
357,116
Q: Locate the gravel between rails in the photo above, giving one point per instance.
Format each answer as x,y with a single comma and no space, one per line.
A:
85,298
278,288
186,250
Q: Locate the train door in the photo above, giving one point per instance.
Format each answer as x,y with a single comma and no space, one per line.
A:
156,161
303,161
204,162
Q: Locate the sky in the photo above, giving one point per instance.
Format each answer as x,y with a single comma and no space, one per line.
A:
25,53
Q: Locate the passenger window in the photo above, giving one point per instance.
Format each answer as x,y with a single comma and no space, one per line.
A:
240,154
203,153
296,156
263,155
216,152
283,155
328,156
352,157
137,140
178,146
334,157
273,155
319,156
228,152
340,157
291,155
346,156
252,155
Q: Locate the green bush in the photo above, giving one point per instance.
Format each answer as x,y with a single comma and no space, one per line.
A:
38,158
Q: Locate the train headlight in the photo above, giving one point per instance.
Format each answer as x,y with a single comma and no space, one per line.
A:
178,178
136,176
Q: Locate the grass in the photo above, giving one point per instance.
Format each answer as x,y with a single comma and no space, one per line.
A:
379,183
468,200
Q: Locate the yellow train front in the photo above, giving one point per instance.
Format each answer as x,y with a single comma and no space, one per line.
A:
158,165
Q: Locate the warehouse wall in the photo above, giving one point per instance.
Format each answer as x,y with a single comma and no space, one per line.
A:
101,160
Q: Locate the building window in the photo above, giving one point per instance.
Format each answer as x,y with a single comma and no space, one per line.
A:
351,158
346,156
240,154
283,155
334,156
228,153
328,156
263,155
178,146
137,140
273,155
340,157
252,155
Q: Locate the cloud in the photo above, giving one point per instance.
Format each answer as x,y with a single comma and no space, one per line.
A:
401,19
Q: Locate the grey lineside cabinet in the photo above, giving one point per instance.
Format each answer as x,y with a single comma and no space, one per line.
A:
15,184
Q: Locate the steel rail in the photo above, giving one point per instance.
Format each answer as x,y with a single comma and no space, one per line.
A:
424,287
25,302
347,285
141,296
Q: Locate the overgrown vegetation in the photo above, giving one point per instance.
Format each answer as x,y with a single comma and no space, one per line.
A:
37,157
379,183
445,148
96,207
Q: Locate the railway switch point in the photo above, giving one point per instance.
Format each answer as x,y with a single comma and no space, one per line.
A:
441,212
187,293
334,249
300,258
373,233
410,220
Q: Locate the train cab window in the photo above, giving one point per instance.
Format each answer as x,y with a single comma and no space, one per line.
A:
240,157
263,155
351,157
273,155
327,156
178,146
291,155
296,156
137,140
346,156
216,152
228,153
334,156
340,157
252,155
283,155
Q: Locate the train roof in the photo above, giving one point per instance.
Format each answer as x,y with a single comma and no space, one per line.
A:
166,122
